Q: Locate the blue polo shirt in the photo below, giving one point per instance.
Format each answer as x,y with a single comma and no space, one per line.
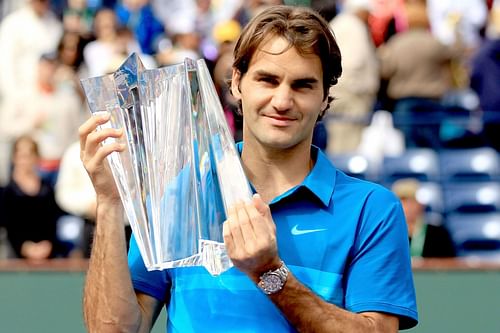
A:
344,238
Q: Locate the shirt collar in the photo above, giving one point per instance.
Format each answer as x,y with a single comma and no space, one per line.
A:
320,181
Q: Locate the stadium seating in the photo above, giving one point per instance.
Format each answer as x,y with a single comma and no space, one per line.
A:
419,163
430,194
474,164
476,197
355,165
476,235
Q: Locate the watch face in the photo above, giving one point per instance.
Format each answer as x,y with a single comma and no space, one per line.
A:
272,283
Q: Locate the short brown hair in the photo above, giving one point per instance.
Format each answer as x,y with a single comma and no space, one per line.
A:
303,28
30,140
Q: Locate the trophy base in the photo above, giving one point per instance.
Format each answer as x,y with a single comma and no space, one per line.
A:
212,256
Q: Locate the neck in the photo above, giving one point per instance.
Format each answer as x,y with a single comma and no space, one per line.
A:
27,180
414,225
273,171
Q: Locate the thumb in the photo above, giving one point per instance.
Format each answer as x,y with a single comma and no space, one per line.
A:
261,206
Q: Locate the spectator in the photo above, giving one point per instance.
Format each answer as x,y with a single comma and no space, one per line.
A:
48,112
8,6
326,8
485,78
380,139
357,88
205,23
185,44
30,212
99,53
175,14
112,46
139,17
386,19
466,16
417,78
226,34
250,8
78,18
25,35
426,240
71,66
75,194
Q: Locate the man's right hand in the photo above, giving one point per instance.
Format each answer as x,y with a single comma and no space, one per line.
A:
93,155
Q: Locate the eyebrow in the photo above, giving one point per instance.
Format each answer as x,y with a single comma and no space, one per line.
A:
304,80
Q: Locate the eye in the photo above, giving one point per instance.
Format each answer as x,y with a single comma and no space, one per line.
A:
268,80
303,85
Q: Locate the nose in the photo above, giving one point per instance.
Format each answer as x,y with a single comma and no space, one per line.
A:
282,98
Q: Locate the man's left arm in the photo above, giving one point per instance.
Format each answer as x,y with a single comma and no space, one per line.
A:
250,238
309,313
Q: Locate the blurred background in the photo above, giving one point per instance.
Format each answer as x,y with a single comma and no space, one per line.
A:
417,110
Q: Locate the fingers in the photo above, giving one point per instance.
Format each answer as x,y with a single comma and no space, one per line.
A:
92,152
238,225
259,209
246,224
232,229
90,126
261,206
93,162
227,233
248,229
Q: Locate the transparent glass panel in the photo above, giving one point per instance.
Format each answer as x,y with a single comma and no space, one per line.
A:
181,170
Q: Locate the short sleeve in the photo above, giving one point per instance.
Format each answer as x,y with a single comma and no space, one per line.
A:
379,277
154,283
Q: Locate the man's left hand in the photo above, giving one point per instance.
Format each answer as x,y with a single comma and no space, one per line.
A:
250,238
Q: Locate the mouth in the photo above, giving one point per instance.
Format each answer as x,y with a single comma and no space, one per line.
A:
280,121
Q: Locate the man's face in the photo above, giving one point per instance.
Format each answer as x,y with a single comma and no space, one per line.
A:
25,156
281,95
413,210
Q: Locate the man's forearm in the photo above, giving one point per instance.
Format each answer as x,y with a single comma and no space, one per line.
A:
110,303
309,313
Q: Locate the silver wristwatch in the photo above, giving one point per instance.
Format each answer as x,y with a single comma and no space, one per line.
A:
273,281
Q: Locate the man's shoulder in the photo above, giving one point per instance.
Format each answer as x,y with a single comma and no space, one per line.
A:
363,187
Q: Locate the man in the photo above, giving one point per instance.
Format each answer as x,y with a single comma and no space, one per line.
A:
485,70
344,241
25,35
357,89
428,237
417,78
49,112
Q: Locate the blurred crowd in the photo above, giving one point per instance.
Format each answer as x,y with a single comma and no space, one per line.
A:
416,73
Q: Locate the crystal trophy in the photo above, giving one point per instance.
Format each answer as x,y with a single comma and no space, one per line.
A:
181,170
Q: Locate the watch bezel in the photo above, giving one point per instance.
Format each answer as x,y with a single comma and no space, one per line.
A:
273,281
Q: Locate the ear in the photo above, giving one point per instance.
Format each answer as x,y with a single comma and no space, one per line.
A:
235,84
325,105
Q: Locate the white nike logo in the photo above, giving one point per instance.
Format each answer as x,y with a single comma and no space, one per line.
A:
296,231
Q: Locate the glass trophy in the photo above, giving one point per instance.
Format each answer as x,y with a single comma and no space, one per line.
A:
181,170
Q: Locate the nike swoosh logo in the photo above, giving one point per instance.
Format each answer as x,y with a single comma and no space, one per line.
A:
296,231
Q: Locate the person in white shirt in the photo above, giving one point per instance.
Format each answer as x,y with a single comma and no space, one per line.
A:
357,88
468,17
25,35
